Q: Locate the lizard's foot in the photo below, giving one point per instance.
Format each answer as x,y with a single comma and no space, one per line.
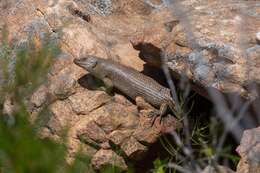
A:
152,112
158,116
154,116
170,123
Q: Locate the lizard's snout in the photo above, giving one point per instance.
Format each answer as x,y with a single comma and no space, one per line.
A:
77,61
80,61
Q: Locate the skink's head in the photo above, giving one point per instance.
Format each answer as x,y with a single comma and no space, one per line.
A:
88,62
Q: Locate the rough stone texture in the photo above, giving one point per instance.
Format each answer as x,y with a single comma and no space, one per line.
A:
133,149
249,150
112,123
104,157
213,43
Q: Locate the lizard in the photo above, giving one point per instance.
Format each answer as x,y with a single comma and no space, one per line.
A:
129,81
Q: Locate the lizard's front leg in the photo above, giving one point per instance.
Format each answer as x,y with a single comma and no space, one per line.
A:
108,85
163,110
143,105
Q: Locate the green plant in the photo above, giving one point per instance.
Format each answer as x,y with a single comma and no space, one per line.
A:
194,147
160,166
22,71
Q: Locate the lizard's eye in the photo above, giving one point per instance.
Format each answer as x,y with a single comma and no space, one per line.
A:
91,62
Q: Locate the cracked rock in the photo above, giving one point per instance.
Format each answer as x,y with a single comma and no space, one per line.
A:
85,101
104,157
133,149
216,40
94,132
249,150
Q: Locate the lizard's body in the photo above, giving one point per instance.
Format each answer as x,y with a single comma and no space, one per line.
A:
128,80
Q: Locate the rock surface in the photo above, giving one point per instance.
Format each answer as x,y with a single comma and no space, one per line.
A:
213,43
99,123
249,150
103,157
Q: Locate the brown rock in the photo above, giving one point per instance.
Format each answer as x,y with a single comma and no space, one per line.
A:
249,150
85,101
61,62
62,117
119,136
39,97
206,44
133,149
113,24
105,157
142,104
63,85
112,123
116,116
122,100
94,132
199,33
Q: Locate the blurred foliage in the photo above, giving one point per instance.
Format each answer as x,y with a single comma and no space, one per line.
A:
160,166
202,148
22,70
200,140
25,67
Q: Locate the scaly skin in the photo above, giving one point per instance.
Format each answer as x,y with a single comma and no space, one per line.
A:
129,81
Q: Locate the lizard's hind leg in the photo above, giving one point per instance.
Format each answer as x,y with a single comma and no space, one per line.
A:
108,85
163,110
